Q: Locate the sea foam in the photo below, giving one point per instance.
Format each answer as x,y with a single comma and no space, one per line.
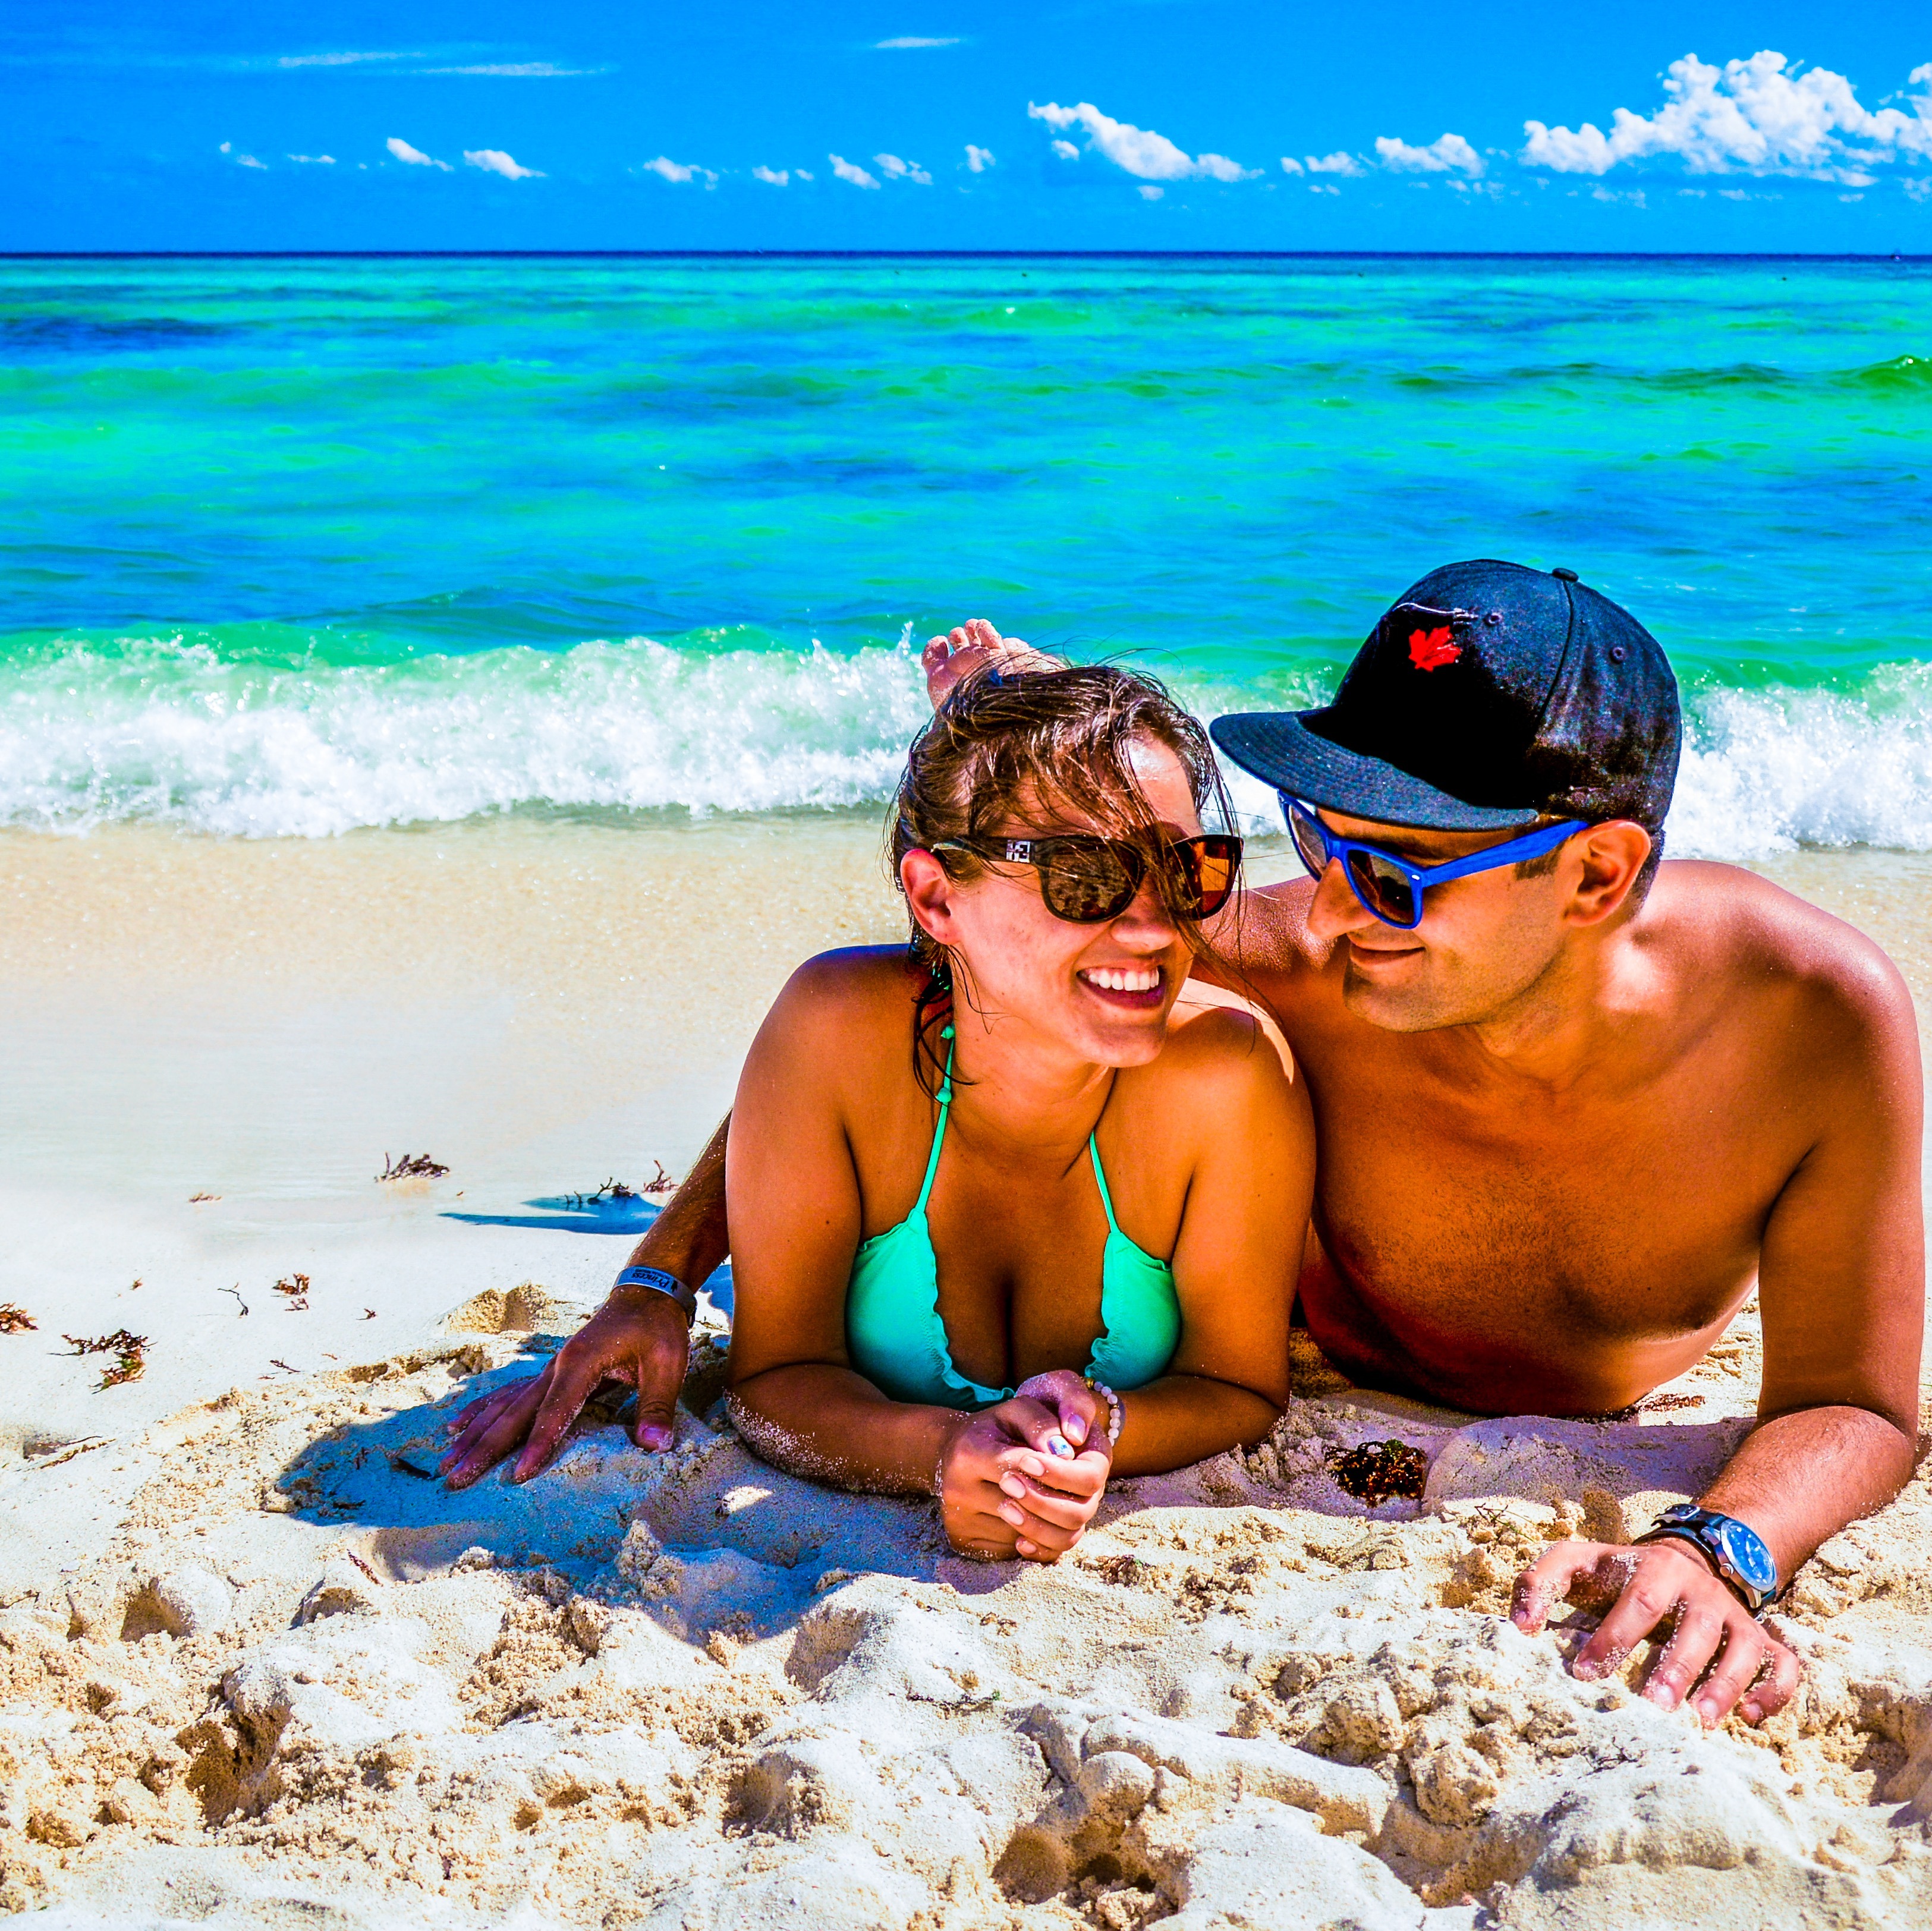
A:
178,730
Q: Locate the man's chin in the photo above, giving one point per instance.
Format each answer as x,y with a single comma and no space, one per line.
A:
1395,1008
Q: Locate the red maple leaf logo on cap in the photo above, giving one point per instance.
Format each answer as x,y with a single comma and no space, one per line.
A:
1430,650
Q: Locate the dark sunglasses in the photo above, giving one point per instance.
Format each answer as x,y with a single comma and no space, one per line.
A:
1088,880
1391,887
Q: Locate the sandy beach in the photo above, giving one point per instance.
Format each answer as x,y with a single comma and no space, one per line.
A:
259,1668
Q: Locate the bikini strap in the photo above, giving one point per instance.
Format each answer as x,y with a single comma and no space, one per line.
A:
1100,1174
939,1130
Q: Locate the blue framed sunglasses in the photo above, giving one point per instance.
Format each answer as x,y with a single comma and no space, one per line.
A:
1391,887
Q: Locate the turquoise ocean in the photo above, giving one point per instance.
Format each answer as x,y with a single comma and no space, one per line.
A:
294,546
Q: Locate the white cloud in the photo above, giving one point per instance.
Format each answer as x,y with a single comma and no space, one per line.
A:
531,70
978,159
249,161
677,171
1322,187
1440,156
777,177
414,156
1140,150
493,160
1150,193
914,40
848,171
1067,151
314,160
898,170
1289,165
1733,194
803,175
1339,162
1919,191
337,60
1758,115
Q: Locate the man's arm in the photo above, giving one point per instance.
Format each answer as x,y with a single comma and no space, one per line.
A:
1842,1288
638,1336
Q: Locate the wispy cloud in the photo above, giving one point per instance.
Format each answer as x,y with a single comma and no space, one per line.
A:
1067,151
493,160
978,159
414,156
1759,116
528,70
314,160
895,170
1150,194
1139,151
848,171
1340,162
677,171
900,42
242,161
1450,152
776,177
339,59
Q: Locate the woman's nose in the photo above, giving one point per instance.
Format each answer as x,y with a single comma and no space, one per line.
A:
1146,919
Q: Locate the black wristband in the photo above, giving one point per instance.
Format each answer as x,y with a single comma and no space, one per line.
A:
659,1281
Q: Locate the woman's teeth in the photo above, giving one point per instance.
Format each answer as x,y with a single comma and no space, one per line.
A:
1123,979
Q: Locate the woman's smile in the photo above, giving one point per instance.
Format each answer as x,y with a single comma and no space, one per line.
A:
1137,988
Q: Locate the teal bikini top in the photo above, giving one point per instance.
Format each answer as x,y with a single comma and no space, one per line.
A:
897,1340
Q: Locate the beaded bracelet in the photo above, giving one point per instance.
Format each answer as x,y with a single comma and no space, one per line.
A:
1116,1414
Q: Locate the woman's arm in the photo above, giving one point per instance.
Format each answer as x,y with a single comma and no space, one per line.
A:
1228,1091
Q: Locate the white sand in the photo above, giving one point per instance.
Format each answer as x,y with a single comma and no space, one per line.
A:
254,1672
693,1691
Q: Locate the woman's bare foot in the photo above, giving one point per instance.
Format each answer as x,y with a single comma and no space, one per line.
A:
975,646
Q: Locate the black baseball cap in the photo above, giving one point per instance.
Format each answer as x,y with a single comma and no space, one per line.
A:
1489,695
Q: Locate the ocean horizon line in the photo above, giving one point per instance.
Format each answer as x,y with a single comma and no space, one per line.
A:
948,254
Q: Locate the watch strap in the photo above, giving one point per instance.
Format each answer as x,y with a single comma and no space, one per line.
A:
1698,1527
658,1280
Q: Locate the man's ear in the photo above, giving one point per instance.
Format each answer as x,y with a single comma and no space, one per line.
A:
928,891
1612,856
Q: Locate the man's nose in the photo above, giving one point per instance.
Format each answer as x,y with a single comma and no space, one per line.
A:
1335,908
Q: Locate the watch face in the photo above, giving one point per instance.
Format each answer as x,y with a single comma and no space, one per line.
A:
1746,1553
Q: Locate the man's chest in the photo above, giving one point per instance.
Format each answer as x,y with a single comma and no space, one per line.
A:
1637,1212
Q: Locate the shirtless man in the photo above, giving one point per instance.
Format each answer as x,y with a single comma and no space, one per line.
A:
1572,1107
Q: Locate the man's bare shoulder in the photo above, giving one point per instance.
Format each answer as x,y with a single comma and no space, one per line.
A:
1753,934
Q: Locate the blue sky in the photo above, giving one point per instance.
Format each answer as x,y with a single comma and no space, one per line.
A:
1087,123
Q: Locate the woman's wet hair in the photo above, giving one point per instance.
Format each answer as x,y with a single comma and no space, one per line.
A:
1046,748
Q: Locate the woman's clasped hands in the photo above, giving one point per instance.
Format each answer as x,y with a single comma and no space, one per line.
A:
1025,1476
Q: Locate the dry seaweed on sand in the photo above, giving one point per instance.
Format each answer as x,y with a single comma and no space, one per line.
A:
611,1190
129,1353
412,1167
296,1288
1373,1471
14,1319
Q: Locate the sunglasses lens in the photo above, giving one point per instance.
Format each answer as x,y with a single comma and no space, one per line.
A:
1212,864
1087,883
1306,833
1381,888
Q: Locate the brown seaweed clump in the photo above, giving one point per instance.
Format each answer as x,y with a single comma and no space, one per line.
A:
412,1167
14,1319
1373,1471
129,1353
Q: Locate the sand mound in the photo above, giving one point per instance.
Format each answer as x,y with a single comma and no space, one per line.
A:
307,1683
528,1308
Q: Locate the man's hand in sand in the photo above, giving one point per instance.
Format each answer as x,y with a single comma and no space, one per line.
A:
638,1339
1715,1648
974,647
1025,1476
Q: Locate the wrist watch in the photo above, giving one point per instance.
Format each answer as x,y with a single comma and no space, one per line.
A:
1735,1548
658,1282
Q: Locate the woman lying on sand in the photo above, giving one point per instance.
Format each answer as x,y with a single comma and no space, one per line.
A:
1003,1223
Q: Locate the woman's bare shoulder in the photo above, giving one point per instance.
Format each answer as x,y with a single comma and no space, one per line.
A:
1221,1054
841,998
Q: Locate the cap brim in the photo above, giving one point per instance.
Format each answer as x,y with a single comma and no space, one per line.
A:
1278,748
